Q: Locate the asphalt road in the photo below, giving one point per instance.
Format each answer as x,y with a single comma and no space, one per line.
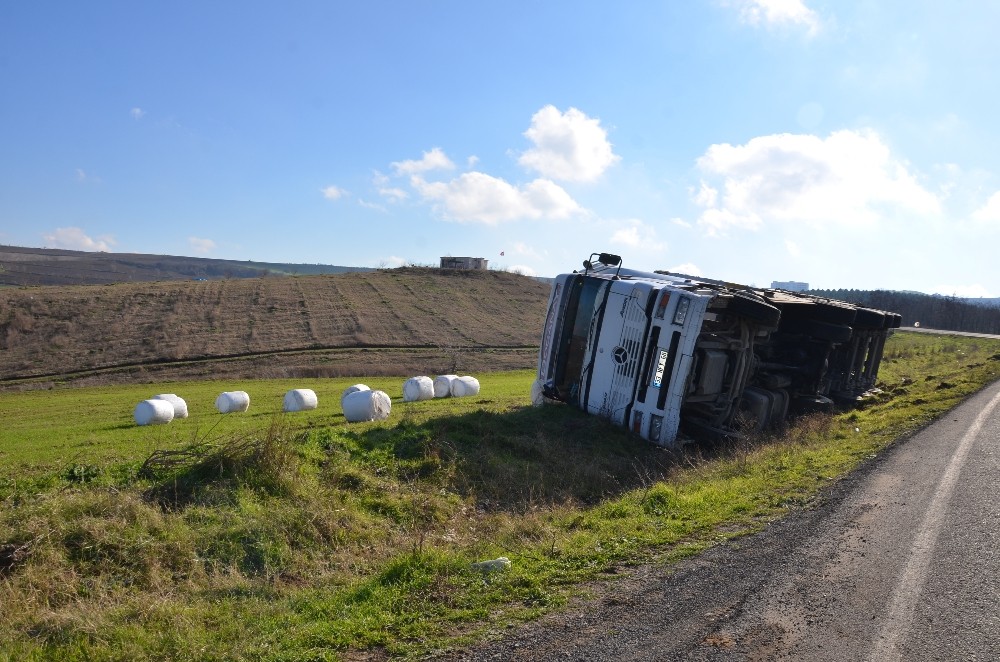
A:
900,561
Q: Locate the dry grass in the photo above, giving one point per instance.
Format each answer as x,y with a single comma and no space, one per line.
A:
314,323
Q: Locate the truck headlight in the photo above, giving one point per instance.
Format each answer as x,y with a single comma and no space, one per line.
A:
682,311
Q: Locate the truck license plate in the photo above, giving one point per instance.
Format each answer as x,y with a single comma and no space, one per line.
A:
661,365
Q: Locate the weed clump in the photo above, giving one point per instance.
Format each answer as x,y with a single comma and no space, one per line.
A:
262,462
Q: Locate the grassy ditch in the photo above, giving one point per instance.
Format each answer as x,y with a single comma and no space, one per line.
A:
303,537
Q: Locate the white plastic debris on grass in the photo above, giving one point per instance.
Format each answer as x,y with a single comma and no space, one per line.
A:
418,388
352,389
300,399
150,412
180,407
367,405
537,397
230,402
493,565
442,385
464,386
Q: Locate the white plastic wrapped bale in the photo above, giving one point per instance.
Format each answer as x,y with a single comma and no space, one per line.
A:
150,412
366,406
418,388
442,385
463,386
352,389
180,407
230,402
300,399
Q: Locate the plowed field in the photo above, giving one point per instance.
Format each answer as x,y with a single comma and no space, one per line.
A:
382,322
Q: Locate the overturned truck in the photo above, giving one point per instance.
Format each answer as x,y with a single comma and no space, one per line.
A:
671,356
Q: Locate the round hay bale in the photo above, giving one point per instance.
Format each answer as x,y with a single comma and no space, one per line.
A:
180,407
418,388
366,406
300,399
442,385
463,386
352,389
150,412
229,402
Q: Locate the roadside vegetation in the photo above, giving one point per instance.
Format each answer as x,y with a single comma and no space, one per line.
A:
299,536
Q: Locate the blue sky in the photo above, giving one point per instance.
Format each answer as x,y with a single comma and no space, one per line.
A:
845,144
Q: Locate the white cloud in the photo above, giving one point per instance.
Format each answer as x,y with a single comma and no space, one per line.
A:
568,146
392,262
85,177
636,234
137,113
393,194
849,178
482,198
201,245
371,205
432,160
792,248
522,248
521,269
706,196
777,13
385,189
990,212
75,239
333,192
963,291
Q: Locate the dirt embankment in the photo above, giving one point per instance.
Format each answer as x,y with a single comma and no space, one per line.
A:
381,322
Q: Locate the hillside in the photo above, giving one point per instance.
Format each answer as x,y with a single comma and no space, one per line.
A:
399,321
47,266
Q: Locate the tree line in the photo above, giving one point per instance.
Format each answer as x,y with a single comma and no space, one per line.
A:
932,311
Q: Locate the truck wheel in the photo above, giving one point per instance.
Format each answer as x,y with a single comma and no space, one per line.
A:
823,311
754,309
838,333
868,318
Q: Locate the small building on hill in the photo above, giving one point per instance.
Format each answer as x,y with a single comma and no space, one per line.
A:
790,285
464,262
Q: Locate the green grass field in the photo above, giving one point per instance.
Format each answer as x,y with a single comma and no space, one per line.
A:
299,536
46,430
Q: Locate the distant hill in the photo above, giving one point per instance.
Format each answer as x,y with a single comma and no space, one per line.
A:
47,266
407,321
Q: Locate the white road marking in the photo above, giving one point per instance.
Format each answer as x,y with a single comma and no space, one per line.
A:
911,582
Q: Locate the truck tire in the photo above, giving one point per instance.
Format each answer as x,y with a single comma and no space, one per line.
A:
837,333
868,318
822,311
753,308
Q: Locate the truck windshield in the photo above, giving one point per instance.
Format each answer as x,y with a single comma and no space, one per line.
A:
582,294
